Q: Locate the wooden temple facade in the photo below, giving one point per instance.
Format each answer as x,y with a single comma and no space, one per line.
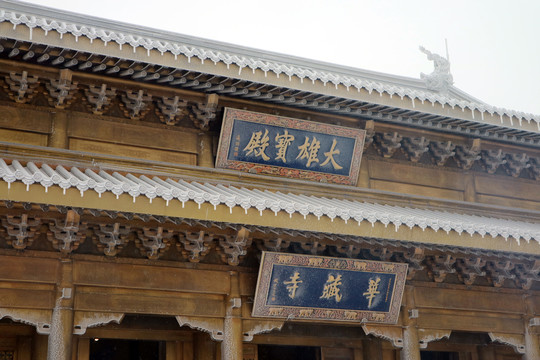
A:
121,239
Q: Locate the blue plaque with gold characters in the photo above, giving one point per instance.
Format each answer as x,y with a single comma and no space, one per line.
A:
276,145
296,286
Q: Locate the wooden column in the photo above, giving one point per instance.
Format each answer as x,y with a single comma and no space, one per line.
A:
206,153
411,348
58,137
60,337
231,347
532,343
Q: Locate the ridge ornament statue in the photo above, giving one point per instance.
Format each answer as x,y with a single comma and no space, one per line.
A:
440,79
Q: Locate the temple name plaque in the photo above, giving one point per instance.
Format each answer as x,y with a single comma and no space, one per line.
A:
305,287
275,145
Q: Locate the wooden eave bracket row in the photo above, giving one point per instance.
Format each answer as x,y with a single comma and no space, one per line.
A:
319,77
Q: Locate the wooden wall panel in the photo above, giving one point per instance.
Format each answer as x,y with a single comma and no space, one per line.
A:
150,277
128,134
416,190
20,268
417,175
22,137
27,298
477,322
23,119
146,302
509,187
468,300
132,151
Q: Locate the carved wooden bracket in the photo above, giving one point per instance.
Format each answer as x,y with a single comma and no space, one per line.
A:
516,163
277,244
204,113
492,159
441,151
153,242
110,238
254,327
440,265
20,87
350,250
66,236
394,334
414,257
171,109
527,274
135,103
21,230
466,156
83,320
517,341
370,132
535,168
235,247
499,271
414,148
61,90
195,246
313,247
470,269
425,336
387,143
99,97
213,326
41,319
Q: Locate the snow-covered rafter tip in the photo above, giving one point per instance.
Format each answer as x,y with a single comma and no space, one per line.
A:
245,61
261,200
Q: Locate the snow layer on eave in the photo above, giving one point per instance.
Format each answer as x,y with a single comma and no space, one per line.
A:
142,39
261,200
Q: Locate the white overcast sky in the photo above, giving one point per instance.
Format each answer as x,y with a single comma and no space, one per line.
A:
494,45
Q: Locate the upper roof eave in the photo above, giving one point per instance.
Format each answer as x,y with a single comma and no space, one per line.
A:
163,41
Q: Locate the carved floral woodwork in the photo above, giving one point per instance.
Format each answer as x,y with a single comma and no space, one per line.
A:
152,242
195,245
99,97
414,148
21,230
83,320
66,235
110,238
171,109
516,341
441,151
21,87
394,334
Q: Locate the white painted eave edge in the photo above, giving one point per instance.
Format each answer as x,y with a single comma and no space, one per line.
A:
261,200
165,42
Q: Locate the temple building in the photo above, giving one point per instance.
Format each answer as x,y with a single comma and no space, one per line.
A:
165,197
